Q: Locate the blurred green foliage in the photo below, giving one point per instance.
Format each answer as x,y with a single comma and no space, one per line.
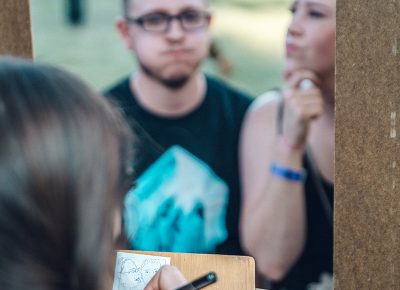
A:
252,3
249,33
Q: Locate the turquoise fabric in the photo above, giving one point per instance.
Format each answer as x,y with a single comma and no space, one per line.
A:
178,205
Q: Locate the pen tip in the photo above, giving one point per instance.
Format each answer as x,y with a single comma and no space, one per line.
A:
212,276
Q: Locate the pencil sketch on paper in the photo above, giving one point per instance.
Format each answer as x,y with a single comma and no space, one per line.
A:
134,271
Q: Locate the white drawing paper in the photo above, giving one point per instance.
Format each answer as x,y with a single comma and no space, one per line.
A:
134,271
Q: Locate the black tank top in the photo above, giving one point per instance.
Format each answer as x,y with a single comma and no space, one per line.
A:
317,256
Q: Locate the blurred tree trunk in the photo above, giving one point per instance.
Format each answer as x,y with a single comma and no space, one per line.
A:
76,13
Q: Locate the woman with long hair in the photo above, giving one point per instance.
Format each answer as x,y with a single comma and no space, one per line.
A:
287,155
65,164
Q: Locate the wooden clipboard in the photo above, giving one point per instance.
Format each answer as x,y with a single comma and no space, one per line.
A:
234,272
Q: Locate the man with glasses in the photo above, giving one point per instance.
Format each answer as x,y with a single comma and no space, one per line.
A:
187,195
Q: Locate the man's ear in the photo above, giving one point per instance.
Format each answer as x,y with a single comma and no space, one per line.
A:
123,29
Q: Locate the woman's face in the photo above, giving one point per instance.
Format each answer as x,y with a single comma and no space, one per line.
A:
310,41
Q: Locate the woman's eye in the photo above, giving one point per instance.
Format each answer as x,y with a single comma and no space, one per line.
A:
315,14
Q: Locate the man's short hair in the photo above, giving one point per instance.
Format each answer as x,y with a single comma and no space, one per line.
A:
126,6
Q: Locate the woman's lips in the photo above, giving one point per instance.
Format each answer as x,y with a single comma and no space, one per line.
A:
291,48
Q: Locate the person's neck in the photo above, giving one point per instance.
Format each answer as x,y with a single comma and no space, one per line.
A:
160,100
328,92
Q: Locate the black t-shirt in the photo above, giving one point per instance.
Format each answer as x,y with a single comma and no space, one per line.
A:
315,265
190,166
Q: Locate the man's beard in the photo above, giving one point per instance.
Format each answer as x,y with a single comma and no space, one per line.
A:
173,83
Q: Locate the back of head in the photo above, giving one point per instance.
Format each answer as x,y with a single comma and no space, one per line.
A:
61,147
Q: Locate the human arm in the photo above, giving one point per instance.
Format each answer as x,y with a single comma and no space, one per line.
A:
272,223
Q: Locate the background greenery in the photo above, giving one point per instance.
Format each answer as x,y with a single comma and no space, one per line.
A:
249,32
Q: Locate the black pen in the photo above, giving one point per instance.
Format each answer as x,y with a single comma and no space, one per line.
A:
201,282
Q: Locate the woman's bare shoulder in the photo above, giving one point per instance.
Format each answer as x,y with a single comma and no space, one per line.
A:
265,106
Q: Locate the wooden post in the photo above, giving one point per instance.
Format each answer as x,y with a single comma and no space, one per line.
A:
15,28
367,160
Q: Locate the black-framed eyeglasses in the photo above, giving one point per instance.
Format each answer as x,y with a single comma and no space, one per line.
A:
189,20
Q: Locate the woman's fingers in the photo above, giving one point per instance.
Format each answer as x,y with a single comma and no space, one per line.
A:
303,103
297,77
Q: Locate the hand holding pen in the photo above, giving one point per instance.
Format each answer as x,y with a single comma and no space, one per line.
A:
169,277
201,282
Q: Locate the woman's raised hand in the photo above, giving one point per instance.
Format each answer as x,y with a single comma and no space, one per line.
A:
302,103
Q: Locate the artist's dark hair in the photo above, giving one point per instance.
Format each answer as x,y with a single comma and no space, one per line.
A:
65,158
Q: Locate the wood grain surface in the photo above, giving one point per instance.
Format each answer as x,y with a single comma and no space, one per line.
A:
234,272
15,28
367,157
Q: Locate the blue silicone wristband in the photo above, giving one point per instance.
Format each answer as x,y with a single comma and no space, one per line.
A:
287,173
